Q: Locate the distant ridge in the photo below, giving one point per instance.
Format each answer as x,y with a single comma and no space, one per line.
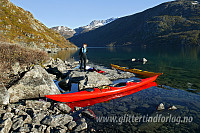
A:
67,32
170,23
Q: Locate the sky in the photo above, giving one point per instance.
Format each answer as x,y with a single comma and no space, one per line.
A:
76,13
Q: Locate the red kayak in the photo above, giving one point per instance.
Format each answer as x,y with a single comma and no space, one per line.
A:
101,91
93,101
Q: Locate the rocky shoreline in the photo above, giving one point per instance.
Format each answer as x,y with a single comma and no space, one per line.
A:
23,106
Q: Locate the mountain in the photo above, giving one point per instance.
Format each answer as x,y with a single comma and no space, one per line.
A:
64,31
93,25
170,23
68,33
20,26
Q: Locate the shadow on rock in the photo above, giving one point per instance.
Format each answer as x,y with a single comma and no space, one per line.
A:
56,72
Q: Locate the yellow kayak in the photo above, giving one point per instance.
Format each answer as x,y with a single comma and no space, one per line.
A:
136,71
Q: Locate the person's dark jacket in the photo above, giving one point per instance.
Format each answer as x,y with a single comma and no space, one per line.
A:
81,53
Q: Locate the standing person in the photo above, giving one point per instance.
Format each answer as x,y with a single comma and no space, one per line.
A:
83,56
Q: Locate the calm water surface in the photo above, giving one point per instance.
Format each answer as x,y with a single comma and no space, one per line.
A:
181,80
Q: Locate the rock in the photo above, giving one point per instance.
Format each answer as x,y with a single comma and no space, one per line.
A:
133,59
27,119
8,115
116,74
81,127
49,130
94,79
57,120
93,130
35,83
67,63
77,62
9,109
77,108
42,128
29,111
65,84
55,71
37,105
17,123
88,113
38,117
39,129
63,107
59,61
16,111
144,59
4,94
2,111
62,68
58,64
88,80
34,130
172,108
26,128
50,62
59,129
16,68
81,120
56,110
21,113
76,77
71,125
52,76
21,107
161,107
7,124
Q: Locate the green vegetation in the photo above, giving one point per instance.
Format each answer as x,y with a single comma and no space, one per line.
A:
170,23
19,26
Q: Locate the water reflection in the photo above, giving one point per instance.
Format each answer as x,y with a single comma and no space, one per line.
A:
144,103
64,54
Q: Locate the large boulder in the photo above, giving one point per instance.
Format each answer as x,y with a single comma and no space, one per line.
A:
76,76
4,95
89,79
117,74
35,83
94,79
57,63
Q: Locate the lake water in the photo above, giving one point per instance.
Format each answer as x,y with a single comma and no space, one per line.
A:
181,81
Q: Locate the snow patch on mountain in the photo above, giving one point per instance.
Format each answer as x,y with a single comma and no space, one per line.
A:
67,32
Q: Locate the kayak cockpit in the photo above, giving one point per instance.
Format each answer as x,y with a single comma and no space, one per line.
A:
122,84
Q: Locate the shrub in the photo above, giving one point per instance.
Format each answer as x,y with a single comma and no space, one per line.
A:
12,53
